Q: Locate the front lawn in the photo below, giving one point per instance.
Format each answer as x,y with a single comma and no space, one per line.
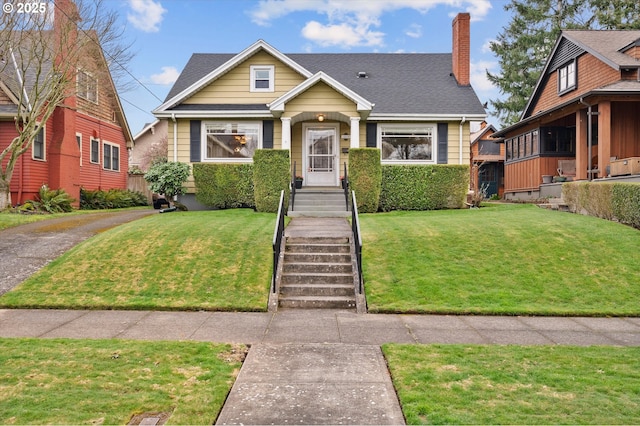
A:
516,384
213,260
500,259
64,381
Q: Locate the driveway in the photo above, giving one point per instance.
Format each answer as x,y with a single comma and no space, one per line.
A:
26,248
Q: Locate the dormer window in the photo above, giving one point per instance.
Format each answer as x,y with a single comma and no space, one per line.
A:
262,78
567,77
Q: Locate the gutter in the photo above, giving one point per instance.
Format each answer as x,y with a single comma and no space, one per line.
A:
175,137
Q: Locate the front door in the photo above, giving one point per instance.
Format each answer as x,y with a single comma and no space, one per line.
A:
321,158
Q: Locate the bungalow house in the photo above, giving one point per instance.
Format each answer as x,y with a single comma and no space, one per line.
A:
416,108
583,118
84,144
487,161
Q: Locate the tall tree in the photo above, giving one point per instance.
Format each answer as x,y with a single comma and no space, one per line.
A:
40,53
523,46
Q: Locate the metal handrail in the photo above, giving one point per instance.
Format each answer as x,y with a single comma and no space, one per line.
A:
357,238
293,186
345,186
278,236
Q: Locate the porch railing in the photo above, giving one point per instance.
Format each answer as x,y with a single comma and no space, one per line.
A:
293,185
278,236
345,186
357,238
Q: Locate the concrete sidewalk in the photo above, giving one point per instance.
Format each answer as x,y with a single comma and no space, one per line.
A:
319,326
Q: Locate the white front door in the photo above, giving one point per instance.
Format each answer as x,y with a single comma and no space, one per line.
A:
320,154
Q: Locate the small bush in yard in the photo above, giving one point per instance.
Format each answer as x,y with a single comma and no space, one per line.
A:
271,175
224,186
111,199
50,201
626,203
365,176
168,178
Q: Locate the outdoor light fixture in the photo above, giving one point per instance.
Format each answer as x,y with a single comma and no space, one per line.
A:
321,117
345,136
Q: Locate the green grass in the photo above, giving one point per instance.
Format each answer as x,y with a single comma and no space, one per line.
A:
214,260
516,384
108,381
502,259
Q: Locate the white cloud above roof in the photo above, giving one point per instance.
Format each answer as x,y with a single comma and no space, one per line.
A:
146,15
352,23
169,75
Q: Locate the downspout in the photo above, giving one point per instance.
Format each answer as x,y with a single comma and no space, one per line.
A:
589,136
175,136
464,120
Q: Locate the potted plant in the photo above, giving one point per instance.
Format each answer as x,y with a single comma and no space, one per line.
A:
299,180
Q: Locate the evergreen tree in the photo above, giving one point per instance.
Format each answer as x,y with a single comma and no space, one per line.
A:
524,45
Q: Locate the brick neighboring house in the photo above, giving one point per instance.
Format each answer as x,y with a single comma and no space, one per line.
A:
415,107
583,118
83,145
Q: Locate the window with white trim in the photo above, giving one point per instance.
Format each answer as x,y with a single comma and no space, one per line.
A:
231,140
110,156
95,151
567,77
79,141
408,142
262,78
87,86
38,147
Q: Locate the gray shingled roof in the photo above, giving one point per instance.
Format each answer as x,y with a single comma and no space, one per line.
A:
607,44
401,83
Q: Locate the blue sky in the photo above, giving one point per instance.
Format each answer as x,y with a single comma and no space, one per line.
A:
164,34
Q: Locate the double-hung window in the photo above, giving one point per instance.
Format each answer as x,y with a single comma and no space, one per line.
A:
111,156
262,78
231,140
38,147
567,77
95,151
87,86
408,142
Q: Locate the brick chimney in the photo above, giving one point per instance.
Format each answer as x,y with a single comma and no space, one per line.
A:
461,48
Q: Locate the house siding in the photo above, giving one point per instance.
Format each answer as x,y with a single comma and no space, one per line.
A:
320,98
233,87
592,73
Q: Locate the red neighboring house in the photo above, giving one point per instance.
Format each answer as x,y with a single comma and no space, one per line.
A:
84,144
583,118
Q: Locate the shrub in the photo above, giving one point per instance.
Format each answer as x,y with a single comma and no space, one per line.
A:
607,200
626,203
111,199
224,185
365,176
270,176
50,201
168,178
423,187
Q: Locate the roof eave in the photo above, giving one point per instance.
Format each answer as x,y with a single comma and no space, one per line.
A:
213,114
425,117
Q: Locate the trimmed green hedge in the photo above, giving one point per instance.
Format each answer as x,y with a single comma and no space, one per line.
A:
607,200
271,175
424,187
224,186
365,176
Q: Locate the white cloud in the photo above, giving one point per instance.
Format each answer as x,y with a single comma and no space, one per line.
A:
352,23
169,75
486,47
147,15
478,76
341,35
414,31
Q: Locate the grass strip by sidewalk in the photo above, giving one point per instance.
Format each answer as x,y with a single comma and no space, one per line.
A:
211,260
500,259
63,381
516,384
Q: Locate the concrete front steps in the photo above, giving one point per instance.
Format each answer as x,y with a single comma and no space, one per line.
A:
555,204
319,202
317,273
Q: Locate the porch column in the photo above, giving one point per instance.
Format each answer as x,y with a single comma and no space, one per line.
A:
286,132
582,155
604,137
355,132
